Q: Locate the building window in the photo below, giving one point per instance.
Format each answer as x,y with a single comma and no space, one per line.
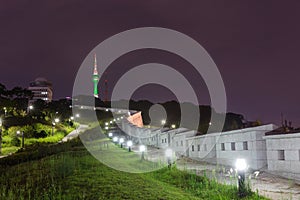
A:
162,141
281,155
192,147
198,147
205,147
232,146
165,140
181,143
222,147
245,145
176,143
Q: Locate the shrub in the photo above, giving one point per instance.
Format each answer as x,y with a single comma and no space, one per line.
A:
15,141
28,131
41,134
12,131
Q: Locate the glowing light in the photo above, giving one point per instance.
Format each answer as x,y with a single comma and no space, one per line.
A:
241,164
129,143
173,126
142,148
115,139
169,153
110,135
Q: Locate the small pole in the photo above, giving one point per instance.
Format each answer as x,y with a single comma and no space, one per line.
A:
241,183
23,144
0,139
52,129
143,156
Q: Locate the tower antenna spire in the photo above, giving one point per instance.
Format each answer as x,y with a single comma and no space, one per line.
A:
95,64
95,77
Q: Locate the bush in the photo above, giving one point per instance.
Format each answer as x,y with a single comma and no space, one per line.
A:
12,131
15,141
42,127
41,134
28,131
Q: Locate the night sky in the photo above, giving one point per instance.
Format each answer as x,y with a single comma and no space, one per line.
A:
255,44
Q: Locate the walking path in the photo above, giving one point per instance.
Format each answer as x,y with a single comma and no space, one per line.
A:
75,133
268,185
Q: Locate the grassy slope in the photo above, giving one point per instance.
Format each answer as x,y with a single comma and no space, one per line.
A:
75,174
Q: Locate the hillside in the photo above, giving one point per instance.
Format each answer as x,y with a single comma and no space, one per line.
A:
72,173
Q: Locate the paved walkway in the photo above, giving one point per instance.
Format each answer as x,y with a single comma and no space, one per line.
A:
75,133
268,185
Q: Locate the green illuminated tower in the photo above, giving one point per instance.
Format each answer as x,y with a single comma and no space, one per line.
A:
95,78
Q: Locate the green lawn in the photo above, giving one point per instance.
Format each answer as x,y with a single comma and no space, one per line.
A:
75,174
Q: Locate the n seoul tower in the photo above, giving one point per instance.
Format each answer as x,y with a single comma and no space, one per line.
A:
95,77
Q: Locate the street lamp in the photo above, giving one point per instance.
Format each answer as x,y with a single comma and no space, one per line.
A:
0,135
22,134
163,122
173,126
110,135
77,115
5,111
129,144
241,167
121,141
142,150
169,155
56,120
115,139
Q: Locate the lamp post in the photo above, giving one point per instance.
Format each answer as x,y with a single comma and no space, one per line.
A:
121,141
169,154
142,150
5,111
241,167
115,139
22,134
56,120
129,144
0,135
